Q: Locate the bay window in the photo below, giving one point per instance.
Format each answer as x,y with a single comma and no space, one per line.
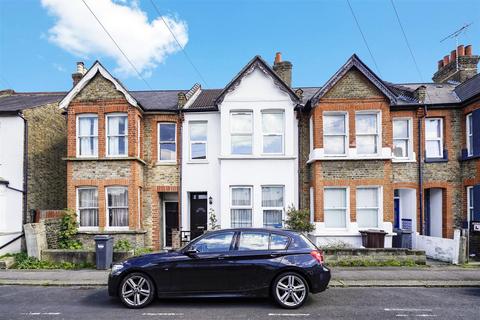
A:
87,207
335,207
402,141
367,130
469,132
117,135
241,132
241,207
272,206
198,140
273,131
117,207
87,135
167,141
368,207
335,137
434,138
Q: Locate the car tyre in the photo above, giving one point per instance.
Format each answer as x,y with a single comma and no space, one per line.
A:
290,290
136,290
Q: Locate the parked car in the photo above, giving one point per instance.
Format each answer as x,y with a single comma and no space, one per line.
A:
245,262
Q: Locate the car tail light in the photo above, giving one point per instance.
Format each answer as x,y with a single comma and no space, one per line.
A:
317,255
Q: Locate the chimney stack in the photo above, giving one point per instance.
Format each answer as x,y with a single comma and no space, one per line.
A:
283,69
458,67
79,73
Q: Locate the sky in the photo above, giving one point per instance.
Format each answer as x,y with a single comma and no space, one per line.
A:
41,40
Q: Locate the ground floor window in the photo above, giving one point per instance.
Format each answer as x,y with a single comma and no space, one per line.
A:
272,206
469,204
367,207
117,206
87,207
241,207
335,207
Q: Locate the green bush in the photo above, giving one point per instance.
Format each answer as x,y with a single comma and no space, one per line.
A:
299,220
142,251
122,245
23,261
68,230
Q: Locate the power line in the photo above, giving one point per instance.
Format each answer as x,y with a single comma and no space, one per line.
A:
116,44
178,42
364,38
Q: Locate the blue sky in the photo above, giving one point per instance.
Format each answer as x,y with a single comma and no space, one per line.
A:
316,36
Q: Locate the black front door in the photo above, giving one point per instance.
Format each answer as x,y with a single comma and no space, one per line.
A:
198,213
171,221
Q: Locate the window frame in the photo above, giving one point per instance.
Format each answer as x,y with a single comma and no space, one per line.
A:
159,143
242,134
239,207
87,228
379,206
346,208
139,140
107,209
192,142
377,135
345,135
232,241
441,138
273,134
409,139
107,135
281,209
85,115
470,195
469,133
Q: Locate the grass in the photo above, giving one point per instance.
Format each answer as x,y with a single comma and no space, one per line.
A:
23,261
373,263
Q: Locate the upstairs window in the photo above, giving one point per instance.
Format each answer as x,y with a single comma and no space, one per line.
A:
117,135
87,135
469,132
273,131
241,208
167,142
272,206
241,129
198,140
367,133
402,142
335,138
434,138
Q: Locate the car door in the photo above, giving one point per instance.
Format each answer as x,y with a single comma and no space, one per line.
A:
206,271
255,260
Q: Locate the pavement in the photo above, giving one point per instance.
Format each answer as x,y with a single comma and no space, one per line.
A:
429,276
37,302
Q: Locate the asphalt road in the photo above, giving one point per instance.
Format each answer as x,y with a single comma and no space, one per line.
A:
23,302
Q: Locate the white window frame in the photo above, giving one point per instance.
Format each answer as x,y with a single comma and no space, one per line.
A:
282,208
377,135
310,133
434,139
273,134
379,206
232,133
469,205
345,135
159,142
233,207
85,115
192,142
107,209
86,228
107,136
469,133
346,208
409,139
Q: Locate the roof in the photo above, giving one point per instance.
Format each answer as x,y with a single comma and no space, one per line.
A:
205,101
158,100
23,100
436,93
469,88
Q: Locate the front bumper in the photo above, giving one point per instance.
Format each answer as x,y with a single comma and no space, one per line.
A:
113,283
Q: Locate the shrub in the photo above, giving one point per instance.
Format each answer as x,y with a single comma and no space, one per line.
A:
68,229
142,251
299,220
23,261
122,245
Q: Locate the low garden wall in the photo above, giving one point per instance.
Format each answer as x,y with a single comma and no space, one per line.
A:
374,257
443,249
80,256
135,238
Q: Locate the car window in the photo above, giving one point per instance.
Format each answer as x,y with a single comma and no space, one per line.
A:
253,241
278,242
215,243
302,242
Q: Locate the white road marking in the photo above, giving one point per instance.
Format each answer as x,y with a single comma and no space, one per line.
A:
401,315
425,315
408,310
161,314
41,313
289,314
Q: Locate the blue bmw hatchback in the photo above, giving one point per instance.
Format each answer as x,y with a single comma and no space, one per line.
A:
249,262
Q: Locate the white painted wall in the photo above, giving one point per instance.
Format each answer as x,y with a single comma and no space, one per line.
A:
436,212
442,249
11,169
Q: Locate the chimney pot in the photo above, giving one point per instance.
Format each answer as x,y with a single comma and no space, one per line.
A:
278,57
440,64
81,67
453,55
460,50
468,50
446,60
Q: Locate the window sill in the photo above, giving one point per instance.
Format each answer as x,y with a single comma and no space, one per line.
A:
403,160
166,163
197,162
102,159
261,157
111,231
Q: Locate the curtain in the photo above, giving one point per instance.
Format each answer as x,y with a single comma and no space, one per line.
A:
335,203
241,197
272,196
88,135
241,218
88,207
272,218
367,207
118,207
116,135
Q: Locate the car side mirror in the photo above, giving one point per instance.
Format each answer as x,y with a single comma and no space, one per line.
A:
191,252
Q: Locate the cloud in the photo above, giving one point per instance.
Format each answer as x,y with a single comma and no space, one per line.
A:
146,43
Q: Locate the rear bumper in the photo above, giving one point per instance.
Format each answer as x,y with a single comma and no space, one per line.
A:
320,279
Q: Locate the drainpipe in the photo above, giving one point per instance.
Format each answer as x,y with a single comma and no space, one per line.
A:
420,170
25,167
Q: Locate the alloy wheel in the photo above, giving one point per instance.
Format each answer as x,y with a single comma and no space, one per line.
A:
291,290
136,290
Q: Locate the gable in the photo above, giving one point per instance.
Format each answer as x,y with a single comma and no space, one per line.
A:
98,88
354,85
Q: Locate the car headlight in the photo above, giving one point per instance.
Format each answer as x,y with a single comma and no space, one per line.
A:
117,267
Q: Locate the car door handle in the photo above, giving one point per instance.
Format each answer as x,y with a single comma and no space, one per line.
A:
222,257
274,255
